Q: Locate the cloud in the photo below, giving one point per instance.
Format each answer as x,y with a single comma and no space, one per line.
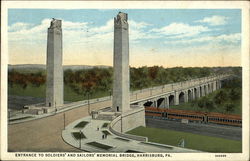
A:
74,32
18,26
214,20
108,27
138,25
180,30
80,40
225,38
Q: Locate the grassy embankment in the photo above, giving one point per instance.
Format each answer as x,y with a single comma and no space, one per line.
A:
192,141
69,94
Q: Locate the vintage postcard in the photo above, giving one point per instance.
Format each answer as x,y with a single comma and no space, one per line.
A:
133,80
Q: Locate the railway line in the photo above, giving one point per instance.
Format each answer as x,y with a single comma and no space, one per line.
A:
194,116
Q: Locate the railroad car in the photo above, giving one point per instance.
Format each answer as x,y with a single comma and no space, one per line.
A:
197,116
226,119
183,114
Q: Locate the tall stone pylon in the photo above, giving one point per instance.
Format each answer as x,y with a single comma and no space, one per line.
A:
54,81
121,90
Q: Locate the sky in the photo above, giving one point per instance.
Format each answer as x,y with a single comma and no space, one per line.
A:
163,37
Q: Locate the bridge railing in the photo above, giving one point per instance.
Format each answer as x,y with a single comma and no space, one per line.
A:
177,86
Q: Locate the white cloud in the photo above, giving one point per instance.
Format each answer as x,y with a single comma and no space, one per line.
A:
75,32
214,20
230,38
138,25
18,26
180,30
108,27
80,39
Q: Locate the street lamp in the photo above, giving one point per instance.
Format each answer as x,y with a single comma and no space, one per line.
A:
55,108
64,120
110,93
80,146
88,104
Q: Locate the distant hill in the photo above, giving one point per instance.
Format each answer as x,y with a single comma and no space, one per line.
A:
42,66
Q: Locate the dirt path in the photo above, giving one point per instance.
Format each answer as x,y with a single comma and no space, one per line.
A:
44,135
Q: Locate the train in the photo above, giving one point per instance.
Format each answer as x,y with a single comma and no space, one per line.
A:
194,116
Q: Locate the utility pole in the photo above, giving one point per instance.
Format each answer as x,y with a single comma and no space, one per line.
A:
64,120
80,146
88,104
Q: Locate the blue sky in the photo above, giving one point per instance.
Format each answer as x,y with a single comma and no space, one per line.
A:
186,37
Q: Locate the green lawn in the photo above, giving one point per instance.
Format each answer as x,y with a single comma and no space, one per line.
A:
99,145
28,91
78,136
69,94
81,124
106,132
105,125
192,141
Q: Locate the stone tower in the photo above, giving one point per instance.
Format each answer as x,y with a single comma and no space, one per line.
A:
121,90
54,81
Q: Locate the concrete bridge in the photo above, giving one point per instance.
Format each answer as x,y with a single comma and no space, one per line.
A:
177,93
161,96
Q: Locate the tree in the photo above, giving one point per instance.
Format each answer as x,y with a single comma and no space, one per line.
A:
202,102
229,107
221,97
209,104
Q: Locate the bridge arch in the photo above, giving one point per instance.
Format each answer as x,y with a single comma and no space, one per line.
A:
201,91
189,95
181,97
171,100
160,102
148,104
205,90
195,93
208,88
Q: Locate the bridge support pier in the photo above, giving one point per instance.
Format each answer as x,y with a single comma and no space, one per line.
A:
198,92
167,101
176,102
185,96
214,86
193,94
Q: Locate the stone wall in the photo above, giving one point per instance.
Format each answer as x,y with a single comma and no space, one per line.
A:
129,120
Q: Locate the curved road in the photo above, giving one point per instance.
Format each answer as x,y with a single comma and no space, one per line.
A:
44,135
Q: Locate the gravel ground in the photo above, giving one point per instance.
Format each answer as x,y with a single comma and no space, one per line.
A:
226,132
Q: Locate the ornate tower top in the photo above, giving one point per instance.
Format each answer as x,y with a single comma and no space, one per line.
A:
121,19
55,23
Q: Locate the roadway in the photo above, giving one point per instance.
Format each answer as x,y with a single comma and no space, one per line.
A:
44,135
